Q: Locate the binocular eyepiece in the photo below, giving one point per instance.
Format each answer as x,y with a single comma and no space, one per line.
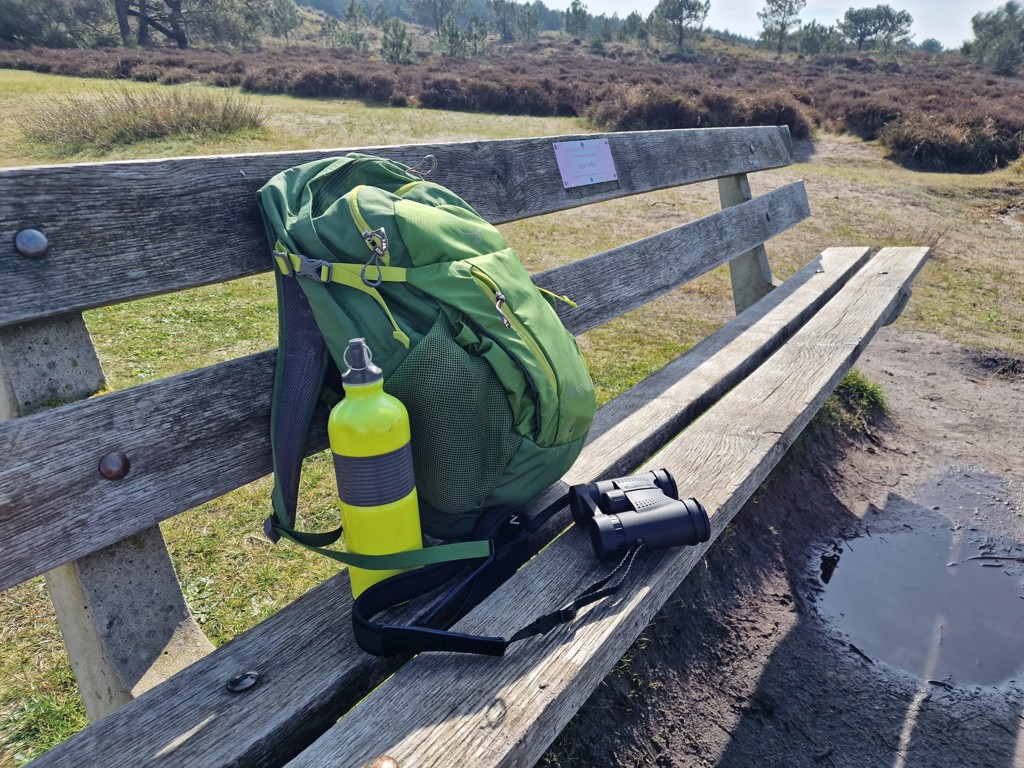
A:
644,507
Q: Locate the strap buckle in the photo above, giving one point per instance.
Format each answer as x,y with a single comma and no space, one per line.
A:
313,268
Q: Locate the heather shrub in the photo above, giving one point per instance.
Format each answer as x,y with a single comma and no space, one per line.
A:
321,82
176,76
224,79
971,143
512,97
775,109
641,108
507,96
866,118
147,73
444,93
340,84
273,79
721,108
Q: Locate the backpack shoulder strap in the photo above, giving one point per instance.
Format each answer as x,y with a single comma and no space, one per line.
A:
298,383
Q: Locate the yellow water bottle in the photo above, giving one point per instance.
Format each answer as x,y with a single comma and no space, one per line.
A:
369,435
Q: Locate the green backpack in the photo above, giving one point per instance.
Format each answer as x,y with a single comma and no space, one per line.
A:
498,395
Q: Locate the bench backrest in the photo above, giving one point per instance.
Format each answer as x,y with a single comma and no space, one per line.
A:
118,231
122,231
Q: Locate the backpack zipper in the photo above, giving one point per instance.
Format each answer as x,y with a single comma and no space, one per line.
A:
510,320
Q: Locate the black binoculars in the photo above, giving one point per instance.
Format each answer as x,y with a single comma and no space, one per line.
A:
641,508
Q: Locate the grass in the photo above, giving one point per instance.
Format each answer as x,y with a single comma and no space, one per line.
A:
291,124
972,293
125,116
857,403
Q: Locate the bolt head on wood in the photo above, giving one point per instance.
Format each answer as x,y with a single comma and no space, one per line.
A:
244,681
382,761
31,243
115,466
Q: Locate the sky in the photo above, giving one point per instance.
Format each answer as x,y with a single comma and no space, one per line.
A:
948,21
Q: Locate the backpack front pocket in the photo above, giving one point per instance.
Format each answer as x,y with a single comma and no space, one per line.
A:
462,428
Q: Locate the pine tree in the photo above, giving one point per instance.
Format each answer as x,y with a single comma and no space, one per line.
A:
451,42
395,42
357,22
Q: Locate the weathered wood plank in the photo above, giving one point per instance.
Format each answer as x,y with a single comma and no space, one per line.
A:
179,448
609,284
310,668
194,221
121,611
443,710
55,506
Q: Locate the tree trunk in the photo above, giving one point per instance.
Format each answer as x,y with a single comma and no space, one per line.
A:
177,23
143,23
121,9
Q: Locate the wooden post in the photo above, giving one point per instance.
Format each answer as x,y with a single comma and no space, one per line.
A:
121,611
751,274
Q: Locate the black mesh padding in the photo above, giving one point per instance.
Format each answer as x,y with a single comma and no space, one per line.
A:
461,421
300,367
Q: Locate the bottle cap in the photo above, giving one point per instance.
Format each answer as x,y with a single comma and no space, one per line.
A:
361,369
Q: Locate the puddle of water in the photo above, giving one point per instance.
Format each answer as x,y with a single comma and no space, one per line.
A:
913,599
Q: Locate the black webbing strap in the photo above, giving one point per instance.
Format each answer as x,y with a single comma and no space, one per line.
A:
403,640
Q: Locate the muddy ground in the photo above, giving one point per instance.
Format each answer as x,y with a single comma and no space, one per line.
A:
745,666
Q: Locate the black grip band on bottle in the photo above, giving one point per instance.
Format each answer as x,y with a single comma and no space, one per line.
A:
372,481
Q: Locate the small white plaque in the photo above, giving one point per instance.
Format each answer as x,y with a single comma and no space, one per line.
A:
585,162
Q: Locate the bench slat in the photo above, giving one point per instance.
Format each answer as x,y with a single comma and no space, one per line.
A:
443,710
193,221
610,284
180,462
311,669
55,506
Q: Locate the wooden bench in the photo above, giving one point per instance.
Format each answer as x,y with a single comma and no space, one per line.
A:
84,484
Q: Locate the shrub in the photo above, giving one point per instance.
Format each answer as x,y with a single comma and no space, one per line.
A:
118,117
508,96
147,73
775,109
176,76
867,118
936,142
640,108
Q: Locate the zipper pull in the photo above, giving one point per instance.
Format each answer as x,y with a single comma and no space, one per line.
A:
499,299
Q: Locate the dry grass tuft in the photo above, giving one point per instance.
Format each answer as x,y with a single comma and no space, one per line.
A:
120,117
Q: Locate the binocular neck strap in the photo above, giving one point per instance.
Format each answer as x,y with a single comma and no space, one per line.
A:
597,591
